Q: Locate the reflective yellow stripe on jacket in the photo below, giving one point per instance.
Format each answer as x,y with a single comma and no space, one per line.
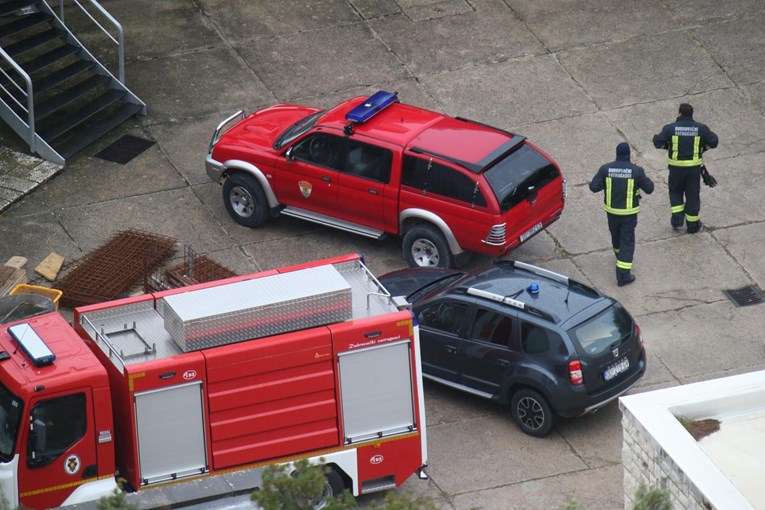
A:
675,150
629,207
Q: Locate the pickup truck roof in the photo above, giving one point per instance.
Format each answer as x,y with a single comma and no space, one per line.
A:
456,139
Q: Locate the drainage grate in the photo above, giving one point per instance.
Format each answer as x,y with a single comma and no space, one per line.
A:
745,296
125,149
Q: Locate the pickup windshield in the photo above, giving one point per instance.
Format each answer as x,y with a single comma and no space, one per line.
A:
10,418
519,176
297,129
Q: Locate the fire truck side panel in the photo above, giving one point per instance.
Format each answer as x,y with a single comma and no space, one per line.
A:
129,379
387,464
379,396
271,397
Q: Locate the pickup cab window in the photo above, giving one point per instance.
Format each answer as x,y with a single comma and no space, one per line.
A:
321,149
368,161
432,177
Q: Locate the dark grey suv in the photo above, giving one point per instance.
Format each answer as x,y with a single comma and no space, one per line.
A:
534,340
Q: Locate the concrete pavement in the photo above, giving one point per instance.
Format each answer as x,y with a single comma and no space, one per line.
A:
576,77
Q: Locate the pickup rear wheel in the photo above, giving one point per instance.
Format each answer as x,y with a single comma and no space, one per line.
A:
531,412
425,246
245,200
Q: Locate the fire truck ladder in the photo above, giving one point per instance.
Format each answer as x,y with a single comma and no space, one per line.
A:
53,92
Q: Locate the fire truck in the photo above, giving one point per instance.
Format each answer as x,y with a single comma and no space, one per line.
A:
210,384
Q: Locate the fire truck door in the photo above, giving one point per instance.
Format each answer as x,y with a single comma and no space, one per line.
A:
59,450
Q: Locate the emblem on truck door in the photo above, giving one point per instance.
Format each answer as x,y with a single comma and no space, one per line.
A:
305,188
72,464
376,459
189,375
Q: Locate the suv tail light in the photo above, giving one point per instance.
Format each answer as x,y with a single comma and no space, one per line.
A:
640,336
575,373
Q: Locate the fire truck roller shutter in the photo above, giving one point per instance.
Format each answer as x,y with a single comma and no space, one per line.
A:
376,391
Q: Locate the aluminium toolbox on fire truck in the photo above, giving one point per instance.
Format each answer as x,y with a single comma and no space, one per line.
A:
312,361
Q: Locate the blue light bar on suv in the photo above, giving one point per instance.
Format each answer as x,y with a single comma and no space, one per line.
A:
371,107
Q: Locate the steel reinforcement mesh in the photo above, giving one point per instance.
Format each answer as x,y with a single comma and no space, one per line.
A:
203,269
114,268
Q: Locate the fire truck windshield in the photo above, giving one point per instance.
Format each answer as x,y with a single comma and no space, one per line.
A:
10,419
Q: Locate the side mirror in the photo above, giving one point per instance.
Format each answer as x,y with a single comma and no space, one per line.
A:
288,154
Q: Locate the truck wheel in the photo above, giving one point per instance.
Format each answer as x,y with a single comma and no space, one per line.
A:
333,486
531,412
425,246
245,200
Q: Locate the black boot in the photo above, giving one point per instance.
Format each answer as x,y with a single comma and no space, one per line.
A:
624,277
677,220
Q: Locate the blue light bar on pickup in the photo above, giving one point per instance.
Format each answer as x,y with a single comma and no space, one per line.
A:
371,107
32,345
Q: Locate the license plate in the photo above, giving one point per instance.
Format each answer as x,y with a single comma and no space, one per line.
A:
617,368
530,232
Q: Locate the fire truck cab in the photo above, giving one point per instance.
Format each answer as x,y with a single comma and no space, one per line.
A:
313,361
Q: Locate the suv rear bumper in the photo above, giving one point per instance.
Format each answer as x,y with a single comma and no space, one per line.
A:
578,404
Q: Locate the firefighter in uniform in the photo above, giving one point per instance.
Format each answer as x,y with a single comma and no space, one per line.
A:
622,182
685,141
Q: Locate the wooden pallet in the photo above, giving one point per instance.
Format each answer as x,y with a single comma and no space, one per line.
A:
12,274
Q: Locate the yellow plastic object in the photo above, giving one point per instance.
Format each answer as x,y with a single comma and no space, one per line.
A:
52,294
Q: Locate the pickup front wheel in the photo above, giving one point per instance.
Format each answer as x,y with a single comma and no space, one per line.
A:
245,200
425,246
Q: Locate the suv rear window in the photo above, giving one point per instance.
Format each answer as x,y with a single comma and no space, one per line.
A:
519,175
610,326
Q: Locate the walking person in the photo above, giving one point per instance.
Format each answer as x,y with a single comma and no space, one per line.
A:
621,181
685,140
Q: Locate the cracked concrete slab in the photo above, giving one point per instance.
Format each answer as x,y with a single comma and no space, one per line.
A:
575,76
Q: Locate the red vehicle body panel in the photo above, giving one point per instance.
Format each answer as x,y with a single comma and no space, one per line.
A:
405,130
75,370
265,400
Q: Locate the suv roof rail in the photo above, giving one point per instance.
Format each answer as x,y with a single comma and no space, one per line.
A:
507,300
546,273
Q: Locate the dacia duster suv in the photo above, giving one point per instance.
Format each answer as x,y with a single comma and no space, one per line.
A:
531,339
373,166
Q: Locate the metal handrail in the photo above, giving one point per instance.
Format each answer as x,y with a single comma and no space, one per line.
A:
30,108
102,341
120,39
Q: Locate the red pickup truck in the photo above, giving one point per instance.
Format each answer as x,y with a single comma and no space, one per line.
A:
374,166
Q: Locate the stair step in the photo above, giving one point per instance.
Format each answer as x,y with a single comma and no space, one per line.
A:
77,117
61,76
69,95
14,5
23,23
30,43
49,58
70,147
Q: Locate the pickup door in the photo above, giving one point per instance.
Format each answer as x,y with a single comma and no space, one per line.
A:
364,189
341,177
308,173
